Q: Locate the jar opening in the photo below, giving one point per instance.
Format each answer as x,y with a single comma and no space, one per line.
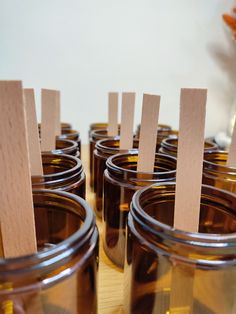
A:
172,142
62,220
155,206
128,162
58,168
112,145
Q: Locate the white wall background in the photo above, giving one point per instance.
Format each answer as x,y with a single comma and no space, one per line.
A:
89,47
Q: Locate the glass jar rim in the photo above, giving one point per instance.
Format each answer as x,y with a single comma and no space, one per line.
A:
168,142
94,124
217,167
99,132
160,126
69,132
180,235
101,144
41,256
66,125
73,146
77,168
134,152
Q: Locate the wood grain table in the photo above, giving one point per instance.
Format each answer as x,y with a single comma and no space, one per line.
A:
110,279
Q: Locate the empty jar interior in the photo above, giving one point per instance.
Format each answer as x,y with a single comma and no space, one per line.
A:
217,213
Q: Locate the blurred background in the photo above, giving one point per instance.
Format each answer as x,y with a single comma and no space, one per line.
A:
87,48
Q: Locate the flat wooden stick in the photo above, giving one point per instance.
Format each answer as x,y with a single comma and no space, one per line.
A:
49,119
112,114
190,159
33,134
231,162
58,113
148,133
17,213
127,121
188,189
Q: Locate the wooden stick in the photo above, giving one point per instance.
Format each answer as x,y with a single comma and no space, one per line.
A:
190,159
127,121
58,113
33,134
188,189
112,114
17,213
148,133
231,162
49,119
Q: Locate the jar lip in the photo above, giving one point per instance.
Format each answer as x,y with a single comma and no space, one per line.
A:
99,132
169,143
177,233
98,124
65,149
134,152
101,144
69,132
160,126
214,165
40,256
77,167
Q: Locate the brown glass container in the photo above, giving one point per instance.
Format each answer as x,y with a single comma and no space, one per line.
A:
95,136
164,131
61,172
216,173
73,135
66,147
103,150
97,126
169,146
62,276
121,181
164,264
66,126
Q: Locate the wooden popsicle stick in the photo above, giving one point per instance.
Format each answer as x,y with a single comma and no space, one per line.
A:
49,119
17,213
33,134
188,189
127,121
231,161
112,114
148,133
58,113
190,159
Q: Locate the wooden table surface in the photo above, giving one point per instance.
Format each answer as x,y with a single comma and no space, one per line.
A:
110,279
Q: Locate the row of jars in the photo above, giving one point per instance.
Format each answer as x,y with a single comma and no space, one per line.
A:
138,234
62,276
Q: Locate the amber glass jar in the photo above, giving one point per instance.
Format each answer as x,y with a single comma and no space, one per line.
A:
62,276
66,126
173,271
169,146
97,126
103,150
163,132
163,129
66,147
95,136
216,173
73,135
61,172
121,180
